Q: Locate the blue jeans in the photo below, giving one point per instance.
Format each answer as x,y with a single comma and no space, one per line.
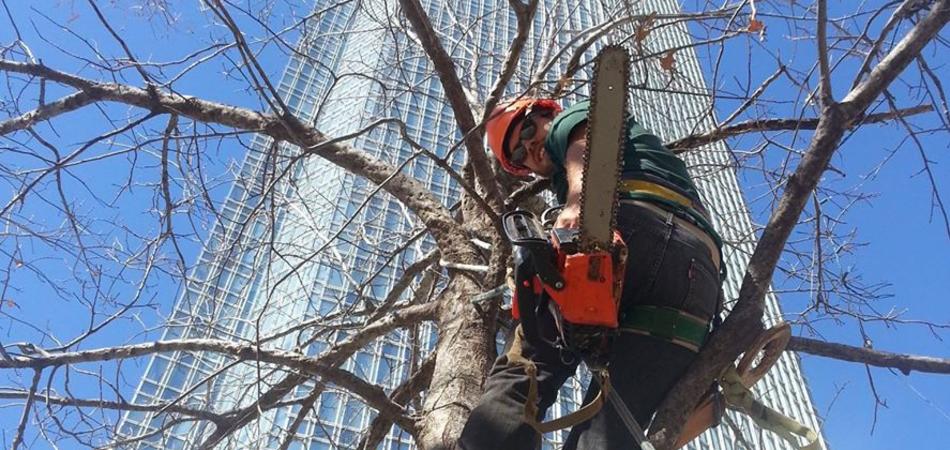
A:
668,265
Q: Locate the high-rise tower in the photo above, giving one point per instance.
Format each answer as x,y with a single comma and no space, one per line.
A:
327,250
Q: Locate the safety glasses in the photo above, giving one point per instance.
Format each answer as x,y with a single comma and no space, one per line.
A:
528,129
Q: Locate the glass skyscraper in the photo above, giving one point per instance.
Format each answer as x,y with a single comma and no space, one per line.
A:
304,245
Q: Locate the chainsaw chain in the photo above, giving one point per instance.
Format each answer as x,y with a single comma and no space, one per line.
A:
591,343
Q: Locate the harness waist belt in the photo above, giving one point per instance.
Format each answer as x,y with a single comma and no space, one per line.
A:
657,190
678,327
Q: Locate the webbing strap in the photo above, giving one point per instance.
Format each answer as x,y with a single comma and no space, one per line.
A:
740,397
657,190
531,411
670,324
582,414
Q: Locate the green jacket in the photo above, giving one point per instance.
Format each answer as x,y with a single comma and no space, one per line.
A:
644,158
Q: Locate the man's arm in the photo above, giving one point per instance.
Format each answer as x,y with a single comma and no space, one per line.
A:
574,171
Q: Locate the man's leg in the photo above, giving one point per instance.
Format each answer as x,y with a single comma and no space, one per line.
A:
642,375
497,423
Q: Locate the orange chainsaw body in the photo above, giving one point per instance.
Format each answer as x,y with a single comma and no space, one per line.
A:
588,296
591,288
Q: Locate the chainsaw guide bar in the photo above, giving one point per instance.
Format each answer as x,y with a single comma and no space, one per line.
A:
603,159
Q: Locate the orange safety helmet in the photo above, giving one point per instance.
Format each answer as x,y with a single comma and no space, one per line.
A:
499,126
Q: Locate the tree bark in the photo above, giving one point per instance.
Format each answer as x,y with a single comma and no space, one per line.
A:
466,343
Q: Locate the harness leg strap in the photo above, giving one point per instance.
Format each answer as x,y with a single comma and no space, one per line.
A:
583,413
531,411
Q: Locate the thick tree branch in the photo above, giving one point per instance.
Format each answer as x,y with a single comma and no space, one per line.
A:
66,104
455,94
405,280
531,189
877,358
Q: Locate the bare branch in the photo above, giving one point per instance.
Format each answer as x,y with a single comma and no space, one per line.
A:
411,388
903,362
899,57
900,13
399,318
525,14
824,72
457,97
25,417
406,189
305,409
699,140
113,405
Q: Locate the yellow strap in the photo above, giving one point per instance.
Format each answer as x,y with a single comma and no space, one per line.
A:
657,190
740,397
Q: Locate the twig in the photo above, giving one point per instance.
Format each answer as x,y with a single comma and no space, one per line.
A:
25,417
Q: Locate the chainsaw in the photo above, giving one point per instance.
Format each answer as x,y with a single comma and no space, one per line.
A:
581,269
577,273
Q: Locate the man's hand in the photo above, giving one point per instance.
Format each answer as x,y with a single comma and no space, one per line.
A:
570,216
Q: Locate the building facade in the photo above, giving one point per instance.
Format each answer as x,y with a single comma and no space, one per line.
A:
333,246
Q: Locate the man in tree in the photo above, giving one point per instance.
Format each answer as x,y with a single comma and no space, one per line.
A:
670,292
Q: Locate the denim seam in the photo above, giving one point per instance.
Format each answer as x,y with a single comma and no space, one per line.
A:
670,228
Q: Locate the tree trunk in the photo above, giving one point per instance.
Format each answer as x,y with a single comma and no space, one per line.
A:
465,349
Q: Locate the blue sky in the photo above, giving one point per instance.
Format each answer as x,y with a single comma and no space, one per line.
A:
906,246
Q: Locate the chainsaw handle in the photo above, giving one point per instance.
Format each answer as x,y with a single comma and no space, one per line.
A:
549,216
